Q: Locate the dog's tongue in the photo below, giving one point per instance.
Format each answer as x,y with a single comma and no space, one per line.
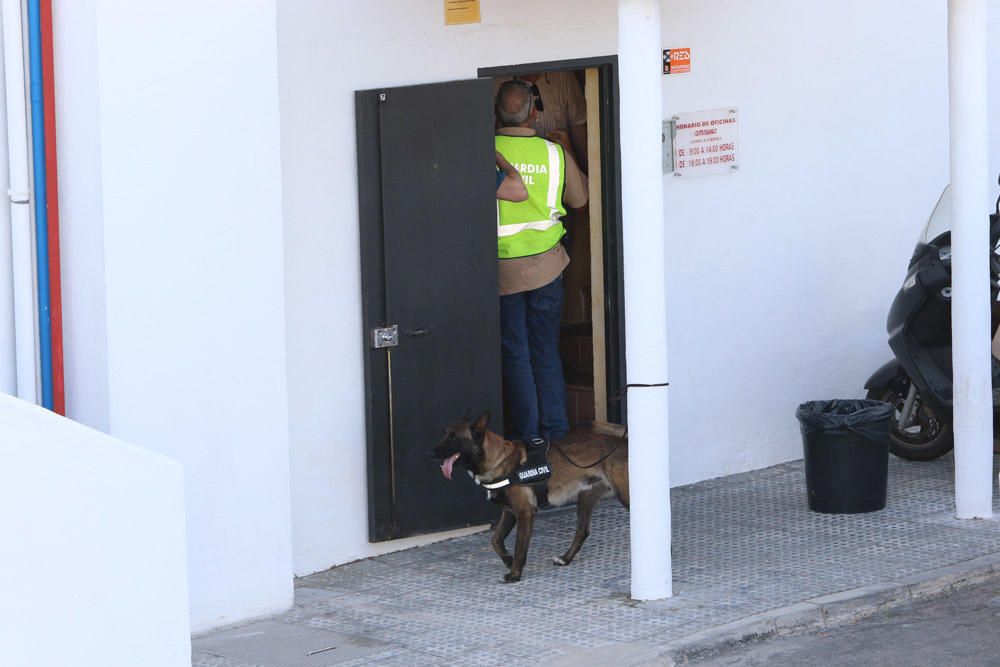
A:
447,466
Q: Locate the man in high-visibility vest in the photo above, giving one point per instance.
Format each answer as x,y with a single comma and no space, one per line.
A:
532,260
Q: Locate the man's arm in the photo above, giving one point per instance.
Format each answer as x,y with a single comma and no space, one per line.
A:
511,188
562,138
576,192
576,118
578,137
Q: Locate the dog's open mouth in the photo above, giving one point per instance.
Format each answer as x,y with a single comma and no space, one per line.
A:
448,464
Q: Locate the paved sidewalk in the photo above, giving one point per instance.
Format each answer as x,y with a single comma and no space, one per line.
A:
749,560
956,629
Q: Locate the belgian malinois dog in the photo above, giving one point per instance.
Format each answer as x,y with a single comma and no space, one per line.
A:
586,467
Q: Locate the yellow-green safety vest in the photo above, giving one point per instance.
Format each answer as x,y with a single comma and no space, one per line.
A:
533,226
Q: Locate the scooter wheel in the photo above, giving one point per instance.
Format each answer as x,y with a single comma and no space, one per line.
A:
927,437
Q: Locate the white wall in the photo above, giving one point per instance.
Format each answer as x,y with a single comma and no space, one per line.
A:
993,39
92,567
780,276
81,210
8,348
328,50
8,357
170,145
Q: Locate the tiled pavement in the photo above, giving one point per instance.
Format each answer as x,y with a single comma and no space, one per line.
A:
743,544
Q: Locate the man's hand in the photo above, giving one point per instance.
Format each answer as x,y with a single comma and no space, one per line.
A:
561,137
512,187
506,167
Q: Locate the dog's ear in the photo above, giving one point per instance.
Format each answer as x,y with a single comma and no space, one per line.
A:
482,422
478,428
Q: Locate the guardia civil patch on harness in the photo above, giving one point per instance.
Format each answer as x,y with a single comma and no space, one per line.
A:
536,468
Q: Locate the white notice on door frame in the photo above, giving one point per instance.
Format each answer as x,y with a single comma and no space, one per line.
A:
706,142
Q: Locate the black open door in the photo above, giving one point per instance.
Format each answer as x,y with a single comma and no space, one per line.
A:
428,258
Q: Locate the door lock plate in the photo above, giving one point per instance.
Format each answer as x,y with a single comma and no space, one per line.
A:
385,337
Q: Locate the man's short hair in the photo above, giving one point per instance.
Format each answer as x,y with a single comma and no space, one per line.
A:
513,104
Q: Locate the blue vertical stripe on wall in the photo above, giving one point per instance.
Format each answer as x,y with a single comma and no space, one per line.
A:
41,212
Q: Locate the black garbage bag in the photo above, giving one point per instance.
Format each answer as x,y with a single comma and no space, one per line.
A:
846,449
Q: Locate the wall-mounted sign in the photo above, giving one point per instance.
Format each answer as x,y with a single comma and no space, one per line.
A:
706,142
676,61
457,12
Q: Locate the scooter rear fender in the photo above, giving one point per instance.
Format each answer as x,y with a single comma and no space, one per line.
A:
884,376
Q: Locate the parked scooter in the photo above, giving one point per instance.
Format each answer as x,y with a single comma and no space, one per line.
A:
918,382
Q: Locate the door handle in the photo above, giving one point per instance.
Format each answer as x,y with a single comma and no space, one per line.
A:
417,333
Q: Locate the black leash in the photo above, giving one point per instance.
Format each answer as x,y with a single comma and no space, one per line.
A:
595,463
614,398
620,394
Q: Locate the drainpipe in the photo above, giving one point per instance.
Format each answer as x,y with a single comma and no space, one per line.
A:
19,197
8,349
51,203
970,270
41,210
641,89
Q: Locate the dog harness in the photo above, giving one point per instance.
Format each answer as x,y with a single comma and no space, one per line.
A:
535,471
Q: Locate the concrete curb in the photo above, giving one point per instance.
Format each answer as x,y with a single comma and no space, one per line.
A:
829,611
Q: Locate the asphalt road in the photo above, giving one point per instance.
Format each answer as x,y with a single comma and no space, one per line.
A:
961,629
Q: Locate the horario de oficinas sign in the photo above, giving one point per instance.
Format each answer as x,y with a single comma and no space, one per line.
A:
706,142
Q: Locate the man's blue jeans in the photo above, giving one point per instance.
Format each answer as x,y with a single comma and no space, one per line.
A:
532,369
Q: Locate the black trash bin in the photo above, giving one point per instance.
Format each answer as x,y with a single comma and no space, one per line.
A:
846,447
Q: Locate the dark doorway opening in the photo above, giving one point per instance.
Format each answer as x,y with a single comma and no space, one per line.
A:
592,335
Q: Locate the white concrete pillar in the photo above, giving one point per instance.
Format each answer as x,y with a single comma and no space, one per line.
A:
639,62
973,402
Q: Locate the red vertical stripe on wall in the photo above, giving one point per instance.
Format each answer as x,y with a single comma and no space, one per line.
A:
52,186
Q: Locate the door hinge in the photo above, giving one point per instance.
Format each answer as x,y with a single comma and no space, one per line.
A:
385,337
